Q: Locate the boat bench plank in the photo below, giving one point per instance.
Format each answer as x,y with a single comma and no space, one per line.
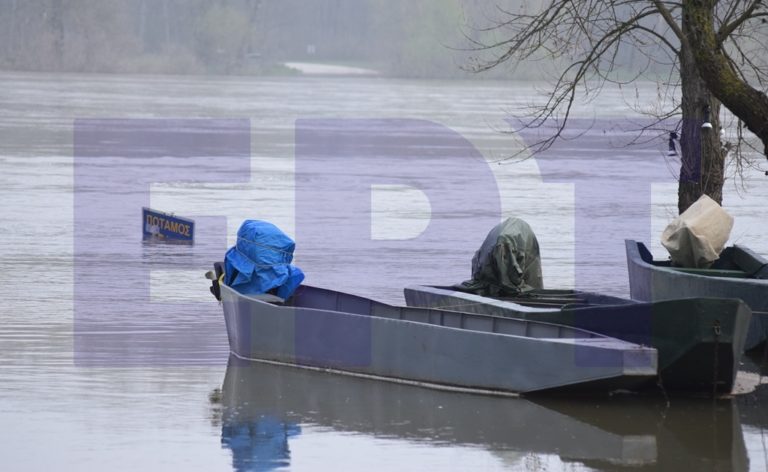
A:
736,274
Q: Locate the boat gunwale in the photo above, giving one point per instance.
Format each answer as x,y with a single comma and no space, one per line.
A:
635,303
562,340
634,255
472,296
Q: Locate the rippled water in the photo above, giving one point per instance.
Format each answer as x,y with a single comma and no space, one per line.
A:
93,378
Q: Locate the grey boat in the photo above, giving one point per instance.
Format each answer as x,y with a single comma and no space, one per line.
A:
738,273
341,333
699,340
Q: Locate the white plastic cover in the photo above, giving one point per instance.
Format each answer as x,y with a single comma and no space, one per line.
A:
696,238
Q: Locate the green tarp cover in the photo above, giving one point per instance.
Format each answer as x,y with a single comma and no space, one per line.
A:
507,263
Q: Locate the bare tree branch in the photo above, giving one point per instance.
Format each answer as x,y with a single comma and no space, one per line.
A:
727,28
667,15
588,41
746,102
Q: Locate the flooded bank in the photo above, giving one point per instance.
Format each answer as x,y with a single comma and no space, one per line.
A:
135,389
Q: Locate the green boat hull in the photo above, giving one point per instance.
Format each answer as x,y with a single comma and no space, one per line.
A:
699,341
739,273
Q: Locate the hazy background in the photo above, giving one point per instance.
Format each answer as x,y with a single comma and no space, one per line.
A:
61,60
397,38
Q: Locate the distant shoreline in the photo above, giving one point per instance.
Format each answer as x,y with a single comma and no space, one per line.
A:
315,68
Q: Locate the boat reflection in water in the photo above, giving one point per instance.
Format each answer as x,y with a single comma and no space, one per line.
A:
265,405
258,444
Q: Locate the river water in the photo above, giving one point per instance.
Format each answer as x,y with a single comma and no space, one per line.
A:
113,354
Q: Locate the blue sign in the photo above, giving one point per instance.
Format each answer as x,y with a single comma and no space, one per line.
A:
160,226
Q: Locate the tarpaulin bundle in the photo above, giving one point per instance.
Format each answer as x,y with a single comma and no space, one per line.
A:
260,262
696,238
507,263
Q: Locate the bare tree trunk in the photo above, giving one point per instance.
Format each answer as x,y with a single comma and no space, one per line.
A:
167,23
702,169
246,45
744,101
143,22
11,40
57,26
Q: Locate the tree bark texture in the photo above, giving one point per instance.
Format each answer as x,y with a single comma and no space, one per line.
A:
744,101
702,169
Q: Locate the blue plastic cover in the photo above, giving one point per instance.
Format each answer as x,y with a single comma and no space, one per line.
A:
261,261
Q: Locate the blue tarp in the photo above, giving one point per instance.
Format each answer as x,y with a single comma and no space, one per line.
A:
260,262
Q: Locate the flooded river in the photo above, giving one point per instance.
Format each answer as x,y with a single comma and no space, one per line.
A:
113,354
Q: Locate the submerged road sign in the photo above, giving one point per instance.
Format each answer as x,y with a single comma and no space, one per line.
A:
160,226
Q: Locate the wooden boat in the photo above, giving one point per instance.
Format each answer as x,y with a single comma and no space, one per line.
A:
337,332
699,341
738,273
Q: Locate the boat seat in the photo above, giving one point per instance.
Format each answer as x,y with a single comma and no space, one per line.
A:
734,274
645,254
